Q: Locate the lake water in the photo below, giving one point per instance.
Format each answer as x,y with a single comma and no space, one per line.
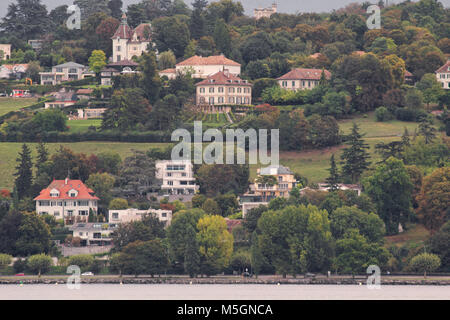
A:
221,292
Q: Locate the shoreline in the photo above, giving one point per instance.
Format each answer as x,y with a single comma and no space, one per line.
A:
218,281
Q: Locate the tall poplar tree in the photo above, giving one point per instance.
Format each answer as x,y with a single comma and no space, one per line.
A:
24,172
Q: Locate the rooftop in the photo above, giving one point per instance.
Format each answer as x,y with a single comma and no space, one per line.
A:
211,60
64,187
305,74
223,78
275,169
444,68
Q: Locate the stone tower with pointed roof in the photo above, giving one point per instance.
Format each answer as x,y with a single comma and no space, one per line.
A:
128,42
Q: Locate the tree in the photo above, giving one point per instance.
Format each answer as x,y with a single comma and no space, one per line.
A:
33,235
33,70
197,22
118,204
390,189
115,6
354,253
427,129
5,260
215,244
434,198
369,225
101,183
149,228
430,87
97,61
333,179
256,256
151,83
296,239
140,257
137,175
88,7
221,179
222,38
355,159
171,33
425,262
250,222
24,172
391,149
128,108
211,207
192,254
39,263
26,19
440,245
178,235
166,60
109,162
84,261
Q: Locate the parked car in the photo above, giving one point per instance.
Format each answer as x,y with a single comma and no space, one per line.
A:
3,94
20,274
87,273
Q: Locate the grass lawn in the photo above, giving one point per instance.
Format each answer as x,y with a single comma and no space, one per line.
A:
372,128
83,125
14,104
415,235
9,151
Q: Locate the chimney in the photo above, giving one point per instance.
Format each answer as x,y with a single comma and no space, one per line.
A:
66,181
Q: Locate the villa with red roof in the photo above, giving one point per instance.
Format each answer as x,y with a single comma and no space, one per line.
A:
443,75
70,200
203,67
128,43
302,79
223,88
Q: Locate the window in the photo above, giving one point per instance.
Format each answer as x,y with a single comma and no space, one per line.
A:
211,90
169,174
221,99
220,89
170,183
202,90
119,58
231,99
239,90
118,48
211,100
293,84
56,213
73,70
59,70
115,215
164,215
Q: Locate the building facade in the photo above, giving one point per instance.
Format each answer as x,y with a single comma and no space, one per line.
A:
6,49
223,88
285,182
69,71
95,233
203,67
129,215
70,200
128,42
265,12
13,71
443,75
177,177
302,79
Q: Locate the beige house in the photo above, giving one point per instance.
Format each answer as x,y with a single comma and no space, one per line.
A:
285,182
302,79
6,50
128,42
69,71
203,67
94,113
130,215
443,75
94,233
223,88
265,12
70,200
17,71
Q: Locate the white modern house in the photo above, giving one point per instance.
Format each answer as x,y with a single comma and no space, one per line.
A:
94,233
70,200
69,71
177,177
130,215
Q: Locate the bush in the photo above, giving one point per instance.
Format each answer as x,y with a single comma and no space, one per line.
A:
425,262
39,263
84,261
382,114
20,265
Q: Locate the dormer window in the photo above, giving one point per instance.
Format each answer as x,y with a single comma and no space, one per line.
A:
54,193
73,193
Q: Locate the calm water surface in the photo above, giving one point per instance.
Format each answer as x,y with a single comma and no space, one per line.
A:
221,292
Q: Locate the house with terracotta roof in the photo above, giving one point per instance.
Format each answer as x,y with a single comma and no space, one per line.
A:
223,88
409,78
70,200
203,67
302,79
443,75
13,71
128,42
